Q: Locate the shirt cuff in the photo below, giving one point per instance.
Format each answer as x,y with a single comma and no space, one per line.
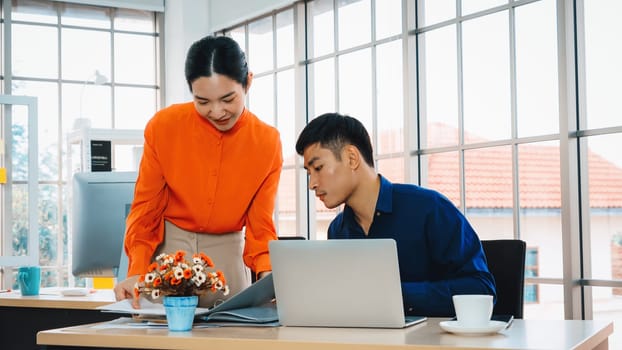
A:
139,260
262,263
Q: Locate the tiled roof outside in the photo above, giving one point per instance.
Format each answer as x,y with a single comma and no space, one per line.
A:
489,176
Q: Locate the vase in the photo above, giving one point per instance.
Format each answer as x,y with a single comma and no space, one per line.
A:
180,312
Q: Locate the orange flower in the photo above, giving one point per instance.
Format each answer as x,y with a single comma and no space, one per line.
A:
207,259
221,276
157,282
152,267
188,274
179,256
175,281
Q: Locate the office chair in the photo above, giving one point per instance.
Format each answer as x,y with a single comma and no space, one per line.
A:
291,237
506,262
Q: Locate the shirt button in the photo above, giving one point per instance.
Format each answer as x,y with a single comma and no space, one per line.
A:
378,213
410,309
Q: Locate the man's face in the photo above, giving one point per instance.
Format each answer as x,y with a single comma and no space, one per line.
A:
330,178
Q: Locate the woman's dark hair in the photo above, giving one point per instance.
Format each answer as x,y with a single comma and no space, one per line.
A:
334,131
216,54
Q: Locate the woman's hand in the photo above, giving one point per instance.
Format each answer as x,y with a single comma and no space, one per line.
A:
263,274
125,290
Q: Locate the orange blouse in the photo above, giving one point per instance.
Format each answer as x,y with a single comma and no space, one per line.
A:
205,180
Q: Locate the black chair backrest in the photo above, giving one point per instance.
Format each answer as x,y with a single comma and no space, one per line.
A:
506,262
253,276
291,237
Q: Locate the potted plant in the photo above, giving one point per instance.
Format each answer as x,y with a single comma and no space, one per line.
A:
180,282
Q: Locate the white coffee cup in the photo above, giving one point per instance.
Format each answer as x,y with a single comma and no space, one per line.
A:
473,310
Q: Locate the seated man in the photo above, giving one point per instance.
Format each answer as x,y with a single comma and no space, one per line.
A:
438,251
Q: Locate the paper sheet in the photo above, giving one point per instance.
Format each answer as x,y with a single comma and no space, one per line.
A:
146,308
130,323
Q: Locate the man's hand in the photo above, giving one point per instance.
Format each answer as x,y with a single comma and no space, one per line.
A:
125,290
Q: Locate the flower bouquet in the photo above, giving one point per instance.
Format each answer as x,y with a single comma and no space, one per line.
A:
180,282
174,275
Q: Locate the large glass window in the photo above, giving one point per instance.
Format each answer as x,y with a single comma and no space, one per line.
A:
536,70
601,176
486,77
468,100
91,65
269,45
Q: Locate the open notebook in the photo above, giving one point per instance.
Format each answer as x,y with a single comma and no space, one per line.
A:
251,305
338,283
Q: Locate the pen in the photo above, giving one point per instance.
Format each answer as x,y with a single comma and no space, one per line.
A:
5,290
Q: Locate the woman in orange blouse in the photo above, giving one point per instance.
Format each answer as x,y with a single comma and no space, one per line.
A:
208,176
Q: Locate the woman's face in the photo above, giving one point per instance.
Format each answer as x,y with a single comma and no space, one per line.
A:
219,99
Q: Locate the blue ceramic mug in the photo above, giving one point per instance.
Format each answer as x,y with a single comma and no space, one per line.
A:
29,279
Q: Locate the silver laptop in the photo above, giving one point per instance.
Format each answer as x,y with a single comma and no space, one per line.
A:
338,283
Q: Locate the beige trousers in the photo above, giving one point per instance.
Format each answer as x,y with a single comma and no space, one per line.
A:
226,251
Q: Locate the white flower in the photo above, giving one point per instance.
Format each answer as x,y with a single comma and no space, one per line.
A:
199,279
178,272
155,294
197,268
226,291
150,277
196,260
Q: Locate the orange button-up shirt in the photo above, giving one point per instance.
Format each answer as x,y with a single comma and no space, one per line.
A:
205,180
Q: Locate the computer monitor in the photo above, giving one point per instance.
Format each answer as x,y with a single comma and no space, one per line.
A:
100,204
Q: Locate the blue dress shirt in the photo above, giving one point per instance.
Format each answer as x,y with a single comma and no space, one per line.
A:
439,253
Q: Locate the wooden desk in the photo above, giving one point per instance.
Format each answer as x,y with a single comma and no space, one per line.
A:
21,317
523,334
51,298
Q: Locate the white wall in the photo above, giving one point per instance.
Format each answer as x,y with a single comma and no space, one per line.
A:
185,21
226,13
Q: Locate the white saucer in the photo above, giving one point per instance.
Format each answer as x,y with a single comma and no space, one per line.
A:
455,327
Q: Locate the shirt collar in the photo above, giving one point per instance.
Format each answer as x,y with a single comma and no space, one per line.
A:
384,203
242,120
385,196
